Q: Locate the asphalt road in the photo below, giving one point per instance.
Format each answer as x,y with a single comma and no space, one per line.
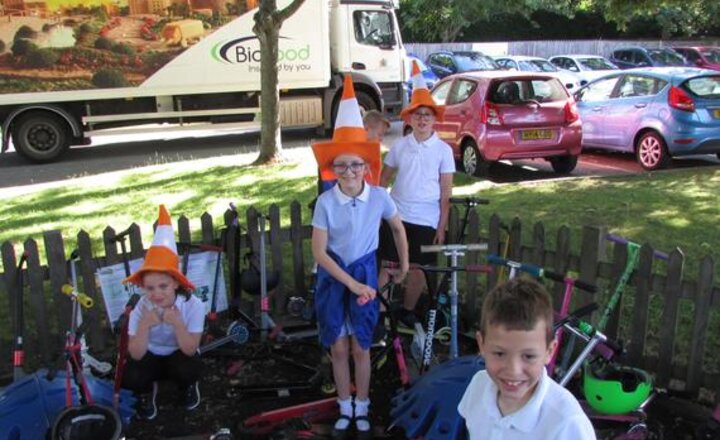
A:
118,153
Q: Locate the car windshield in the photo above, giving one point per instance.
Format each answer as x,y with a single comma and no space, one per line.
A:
539,66
704,87
474,61
712,55
526,91
666,57
596,63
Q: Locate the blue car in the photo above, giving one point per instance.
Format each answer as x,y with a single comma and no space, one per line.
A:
654,113
430,77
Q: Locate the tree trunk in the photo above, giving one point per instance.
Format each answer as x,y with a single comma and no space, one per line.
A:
268,22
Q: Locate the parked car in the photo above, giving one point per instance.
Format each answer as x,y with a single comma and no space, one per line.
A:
586,67
537,64
706,57
428,75
632,57
654,113
491,116
447,62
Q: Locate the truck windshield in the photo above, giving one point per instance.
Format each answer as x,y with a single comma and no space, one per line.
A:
374,28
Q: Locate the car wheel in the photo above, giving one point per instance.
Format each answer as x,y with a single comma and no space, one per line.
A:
40,137
651,151
472,161
563,164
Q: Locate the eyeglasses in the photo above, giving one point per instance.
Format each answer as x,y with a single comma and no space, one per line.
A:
341,168
424,115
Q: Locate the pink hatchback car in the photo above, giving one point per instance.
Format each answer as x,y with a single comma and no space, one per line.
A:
491,116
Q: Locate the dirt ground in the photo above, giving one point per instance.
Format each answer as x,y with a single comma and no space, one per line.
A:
301,370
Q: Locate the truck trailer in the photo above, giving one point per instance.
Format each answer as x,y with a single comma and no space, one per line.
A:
71,70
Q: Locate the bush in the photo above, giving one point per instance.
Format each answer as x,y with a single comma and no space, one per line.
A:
42,58
2,46
123,49
109,78
23,47
103,43
24,32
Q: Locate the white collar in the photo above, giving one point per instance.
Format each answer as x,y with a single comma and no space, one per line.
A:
345,199
526,418
414,142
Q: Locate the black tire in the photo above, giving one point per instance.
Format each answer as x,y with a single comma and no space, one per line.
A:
364,100
472,161
563,164
651,152
40,137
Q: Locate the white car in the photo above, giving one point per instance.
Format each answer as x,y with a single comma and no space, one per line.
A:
586,67
537,64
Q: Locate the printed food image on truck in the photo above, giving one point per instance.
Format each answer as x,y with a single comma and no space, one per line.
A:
60,45
74,70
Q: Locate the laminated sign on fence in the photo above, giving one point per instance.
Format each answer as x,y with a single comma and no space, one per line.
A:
201,270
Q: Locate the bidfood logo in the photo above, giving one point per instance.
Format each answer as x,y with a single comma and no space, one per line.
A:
246,50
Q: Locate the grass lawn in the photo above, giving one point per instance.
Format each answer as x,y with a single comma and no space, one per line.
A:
677,208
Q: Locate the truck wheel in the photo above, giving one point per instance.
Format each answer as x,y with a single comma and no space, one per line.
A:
40,137
365,101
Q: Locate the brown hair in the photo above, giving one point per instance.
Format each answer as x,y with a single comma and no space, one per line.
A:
374,116
518,304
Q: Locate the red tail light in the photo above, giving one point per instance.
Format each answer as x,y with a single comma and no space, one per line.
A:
491,115
571,112
679,99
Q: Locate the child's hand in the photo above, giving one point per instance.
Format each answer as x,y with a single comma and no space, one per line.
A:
365,294
172,316
398,275
149,317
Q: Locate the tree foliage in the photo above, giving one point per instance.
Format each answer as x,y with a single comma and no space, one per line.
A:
433,21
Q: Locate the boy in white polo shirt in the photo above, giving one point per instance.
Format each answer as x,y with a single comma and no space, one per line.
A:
423,167
514,399
345,238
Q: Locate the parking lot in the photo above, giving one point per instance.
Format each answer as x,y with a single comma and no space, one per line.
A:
117,154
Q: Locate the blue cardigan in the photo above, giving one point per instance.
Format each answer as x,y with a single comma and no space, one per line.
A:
334,302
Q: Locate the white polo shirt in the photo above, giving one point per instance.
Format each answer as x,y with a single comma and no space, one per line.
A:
353,223
416,190
162,340
552,413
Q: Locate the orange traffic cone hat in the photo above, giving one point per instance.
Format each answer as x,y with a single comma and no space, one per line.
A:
421,96
349,137
162,255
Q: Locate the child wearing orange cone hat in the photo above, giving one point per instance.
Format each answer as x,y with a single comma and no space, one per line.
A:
420,166
344,241
165,327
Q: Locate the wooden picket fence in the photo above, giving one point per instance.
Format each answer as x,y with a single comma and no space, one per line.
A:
665,319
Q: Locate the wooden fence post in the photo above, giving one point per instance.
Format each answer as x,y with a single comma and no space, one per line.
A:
703,298
278,299
47,344
668,321
589,260
57,265
641,302
10,280
86,270
538,244
296,239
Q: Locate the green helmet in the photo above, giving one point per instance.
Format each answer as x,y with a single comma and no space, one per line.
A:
615,389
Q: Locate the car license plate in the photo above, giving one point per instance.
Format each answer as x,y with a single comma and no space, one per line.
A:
716,113
533,135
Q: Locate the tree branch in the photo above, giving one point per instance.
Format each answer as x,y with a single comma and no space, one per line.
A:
282,15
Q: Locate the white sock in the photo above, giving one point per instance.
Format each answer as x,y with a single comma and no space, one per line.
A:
361,409
346,409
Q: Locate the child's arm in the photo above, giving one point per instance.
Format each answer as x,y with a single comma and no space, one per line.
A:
319,250
386,175
446,183
188,342
401,244
138,343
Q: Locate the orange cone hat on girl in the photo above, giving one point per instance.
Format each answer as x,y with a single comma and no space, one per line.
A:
421,96
162,255
349,137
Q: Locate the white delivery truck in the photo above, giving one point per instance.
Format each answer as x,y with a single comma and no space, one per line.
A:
71,70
